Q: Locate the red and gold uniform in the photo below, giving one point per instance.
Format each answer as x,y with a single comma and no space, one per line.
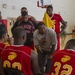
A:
17,57
29,18
2,46
63,63
57,19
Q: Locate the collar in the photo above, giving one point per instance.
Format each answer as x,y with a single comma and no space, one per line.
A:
17,45
52,16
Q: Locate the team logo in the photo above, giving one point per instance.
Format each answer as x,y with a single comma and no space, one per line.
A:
65,58
54,22
12,55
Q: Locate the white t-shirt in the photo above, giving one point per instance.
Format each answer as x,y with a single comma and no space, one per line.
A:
49,37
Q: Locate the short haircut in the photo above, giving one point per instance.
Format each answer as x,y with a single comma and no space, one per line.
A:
24,13
70,44
23,8
50,6
2,30
40,24
18,32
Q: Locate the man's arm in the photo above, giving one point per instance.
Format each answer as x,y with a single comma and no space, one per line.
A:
34,63
53,42
64,26
53,48
36,41
35,25
33,19
38,47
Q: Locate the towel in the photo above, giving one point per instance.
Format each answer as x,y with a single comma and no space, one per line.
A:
47,20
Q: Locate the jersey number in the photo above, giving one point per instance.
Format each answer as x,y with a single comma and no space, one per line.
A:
14,65
67,69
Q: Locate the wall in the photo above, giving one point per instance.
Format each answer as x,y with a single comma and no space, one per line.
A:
64,7
30,4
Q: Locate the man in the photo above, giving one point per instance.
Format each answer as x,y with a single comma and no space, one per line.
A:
56,25
45,42
19,56
28,26
64,60
3,38
31,18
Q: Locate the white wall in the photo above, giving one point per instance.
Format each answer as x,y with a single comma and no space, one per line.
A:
67,11
65,7
30,4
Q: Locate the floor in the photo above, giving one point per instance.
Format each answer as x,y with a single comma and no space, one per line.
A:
65,38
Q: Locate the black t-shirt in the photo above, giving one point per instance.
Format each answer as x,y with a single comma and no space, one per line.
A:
29,26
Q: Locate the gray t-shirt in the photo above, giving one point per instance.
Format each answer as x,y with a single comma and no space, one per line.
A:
49,37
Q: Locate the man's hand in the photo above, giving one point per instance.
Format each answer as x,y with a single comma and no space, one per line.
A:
50,57
38,48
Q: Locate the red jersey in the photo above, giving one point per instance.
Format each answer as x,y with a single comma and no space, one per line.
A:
1,22
17,57
29,18
57,18
63,63
2,46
